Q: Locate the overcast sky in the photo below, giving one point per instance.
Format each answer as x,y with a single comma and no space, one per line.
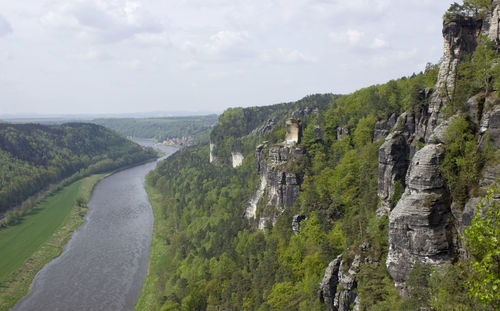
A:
120,56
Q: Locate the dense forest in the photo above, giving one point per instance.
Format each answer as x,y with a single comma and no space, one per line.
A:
33,156
217,259
162,128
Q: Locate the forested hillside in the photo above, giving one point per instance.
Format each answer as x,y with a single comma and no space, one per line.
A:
162,128
32,156
370,206
216,258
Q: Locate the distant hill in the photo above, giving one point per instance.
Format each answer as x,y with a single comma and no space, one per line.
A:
32,156
162,128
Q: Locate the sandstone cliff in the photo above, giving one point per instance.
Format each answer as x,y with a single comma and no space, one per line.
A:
425,224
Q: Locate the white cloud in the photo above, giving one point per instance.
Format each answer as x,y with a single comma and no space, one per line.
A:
224,45
93,55
378,43
166,47
224,41
281,55
349,36
5,27
102,21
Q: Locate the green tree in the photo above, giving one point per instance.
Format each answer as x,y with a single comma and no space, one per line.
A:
460,166
483,242
485,60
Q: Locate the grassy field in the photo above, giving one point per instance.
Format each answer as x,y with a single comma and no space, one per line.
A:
149,298
26,247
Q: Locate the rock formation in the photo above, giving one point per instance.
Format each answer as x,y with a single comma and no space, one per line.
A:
279,187
296,220
293,132
423,225
236,158
382,127
212,159
336,289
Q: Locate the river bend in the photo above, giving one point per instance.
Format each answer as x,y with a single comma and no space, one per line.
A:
104,264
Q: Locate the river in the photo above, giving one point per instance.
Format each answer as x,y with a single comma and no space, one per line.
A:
104,264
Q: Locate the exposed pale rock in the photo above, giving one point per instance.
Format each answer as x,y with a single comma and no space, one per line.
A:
213,159
293,132
342,131
236,158
296,220
278,187
491,23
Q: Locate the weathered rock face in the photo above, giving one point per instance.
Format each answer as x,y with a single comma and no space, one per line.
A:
342,131
460,36
330,282
265,128
236,158
491,23
283,188
293,132
393,164
337,290
296,220
278,187
383,127
305,112
213,159
419,225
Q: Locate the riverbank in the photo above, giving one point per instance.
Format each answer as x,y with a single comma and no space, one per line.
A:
150,297
40,237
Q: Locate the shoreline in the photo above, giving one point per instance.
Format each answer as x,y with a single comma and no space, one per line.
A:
17,284
149,298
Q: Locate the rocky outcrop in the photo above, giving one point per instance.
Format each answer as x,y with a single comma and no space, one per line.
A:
283,187
342,131
424,223
236,158
293,132
393,164
337,289
382,127
491,23
329,284
265,128
460,36
305,112
279,188
419,225
212,159
296,220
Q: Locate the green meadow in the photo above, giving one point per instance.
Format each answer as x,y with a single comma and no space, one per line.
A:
148,297
40,236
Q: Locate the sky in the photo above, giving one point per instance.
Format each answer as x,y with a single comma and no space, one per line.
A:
121,56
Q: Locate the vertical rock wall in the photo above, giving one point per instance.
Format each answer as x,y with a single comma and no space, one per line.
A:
422,225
